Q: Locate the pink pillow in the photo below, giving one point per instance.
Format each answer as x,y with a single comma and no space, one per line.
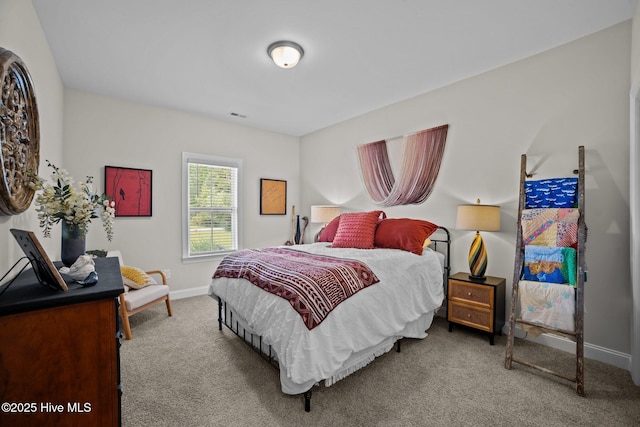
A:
403,233
329,232
357,230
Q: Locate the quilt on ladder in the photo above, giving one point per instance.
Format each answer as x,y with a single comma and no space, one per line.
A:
547,304
550,264
313,284
550,227
551,193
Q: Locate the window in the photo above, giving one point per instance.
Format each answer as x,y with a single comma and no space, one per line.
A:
210,210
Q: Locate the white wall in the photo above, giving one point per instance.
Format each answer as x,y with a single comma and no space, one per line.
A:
635,196
103,131
20,32
544,106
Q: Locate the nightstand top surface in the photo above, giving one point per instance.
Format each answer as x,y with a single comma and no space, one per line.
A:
490,280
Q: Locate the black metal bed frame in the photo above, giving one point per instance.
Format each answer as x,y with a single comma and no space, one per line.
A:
226,315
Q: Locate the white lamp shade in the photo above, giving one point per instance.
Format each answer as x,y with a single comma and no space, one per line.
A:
478,217
324,213
285,54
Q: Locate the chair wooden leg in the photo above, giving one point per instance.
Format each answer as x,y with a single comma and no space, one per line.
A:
124,317
168,301
125,324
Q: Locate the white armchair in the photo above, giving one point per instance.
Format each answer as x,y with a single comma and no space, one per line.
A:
133,301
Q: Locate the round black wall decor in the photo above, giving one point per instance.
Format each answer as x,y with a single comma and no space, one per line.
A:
19,134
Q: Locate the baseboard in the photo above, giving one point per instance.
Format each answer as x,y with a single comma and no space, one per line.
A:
591,351
187,293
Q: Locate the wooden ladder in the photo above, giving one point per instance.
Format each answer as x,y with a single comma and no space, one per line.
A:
578,335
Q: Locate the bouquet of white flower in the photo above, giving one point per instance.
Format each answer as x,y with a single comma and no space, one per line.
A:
62,201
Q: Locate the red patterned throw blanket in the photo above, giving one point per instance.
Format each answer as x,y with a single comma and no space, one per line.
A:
313,284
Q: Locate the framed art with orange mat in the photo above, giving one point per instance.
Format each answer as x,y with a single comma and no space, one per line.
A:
273,197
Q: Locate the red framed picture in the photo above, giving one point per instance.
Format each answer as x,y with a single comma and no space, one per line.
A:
130,189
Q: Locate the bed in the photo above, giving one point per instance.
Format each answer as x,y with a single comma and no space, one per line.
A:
401,304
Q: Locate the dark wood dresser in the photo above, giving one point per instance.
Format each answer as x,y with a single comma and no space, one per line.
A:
59,352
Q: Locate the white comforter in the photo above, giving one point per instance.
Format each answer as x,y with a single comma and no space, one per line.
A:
410,287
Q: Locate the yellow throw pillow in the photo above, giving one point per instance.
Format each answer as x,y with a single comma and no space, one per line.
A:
134,277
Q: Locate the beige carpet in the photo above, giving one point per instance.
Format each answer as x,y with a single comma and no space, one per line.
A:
182,371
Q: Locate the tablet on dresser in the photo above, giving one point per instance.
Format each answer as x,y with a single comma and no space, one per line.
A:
45,271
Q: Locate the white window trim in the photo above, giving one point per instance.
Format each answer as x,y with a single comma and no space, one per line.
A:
216,160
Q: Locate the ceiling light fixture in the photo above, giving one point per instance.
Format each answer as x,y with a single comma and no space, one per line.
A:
285,54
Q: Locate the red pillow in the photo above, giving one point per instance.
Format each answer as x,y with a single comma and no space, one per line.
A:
357,230
404,233
329,232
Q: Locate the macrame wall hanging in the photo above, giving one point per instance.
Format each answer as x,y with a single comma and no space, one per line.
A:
422,156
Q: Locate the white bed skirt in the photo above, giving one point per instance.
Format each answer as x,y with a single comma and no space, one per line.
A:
355,362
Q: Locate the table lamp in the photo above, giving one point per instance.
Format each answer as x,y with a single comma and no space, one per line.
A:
323,214
479,218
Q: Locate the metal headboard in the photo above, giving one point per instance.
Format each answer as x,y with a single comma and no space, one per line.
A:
441,242
442,237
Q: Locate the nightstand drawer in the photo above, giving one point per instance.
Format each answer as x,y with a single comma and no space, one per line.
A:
471,316
472,293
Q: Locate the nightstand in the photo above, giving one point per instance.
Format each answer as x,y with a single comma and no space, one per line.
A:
476,304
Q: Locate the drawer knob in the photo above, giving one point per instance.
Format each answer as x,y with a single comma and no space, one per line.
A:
469,315
469,294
